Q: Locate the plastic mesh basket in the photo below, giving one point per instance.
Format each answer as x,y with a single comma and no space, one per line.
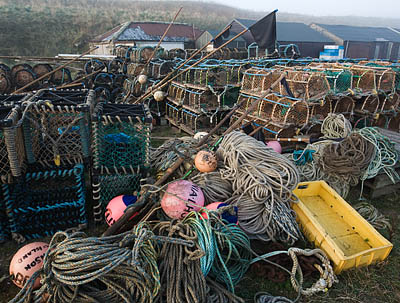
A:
121,137
44,202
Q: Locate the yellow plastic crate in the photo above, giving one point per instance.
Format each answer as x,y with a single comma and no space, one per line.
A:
339,230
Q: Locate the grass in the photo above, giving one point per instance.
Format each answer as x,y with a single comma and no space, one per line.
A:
373,284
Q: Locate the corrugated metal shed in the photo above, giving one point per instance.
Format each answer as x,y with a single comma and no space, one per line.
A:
292,31
362,34
150,31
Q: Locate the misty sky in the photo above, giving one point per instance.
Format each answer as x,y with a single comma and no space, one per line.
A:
377,8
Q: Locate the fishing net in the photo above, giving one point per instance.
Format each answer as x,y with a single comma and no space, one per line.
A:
121,137
339,81
49,200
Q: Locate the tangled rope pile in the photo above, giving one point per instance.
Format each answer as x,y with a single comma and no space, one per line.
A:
119,268
262,182
347,159
336,126
385,157
215,189
373,216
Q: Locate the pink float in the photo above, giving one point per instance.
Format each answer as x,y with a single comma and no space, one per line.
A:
116,208
225,215
275,145
26,261
180,198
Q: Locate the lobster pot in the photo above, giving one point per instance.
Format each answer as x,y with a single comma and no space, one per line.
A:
160,68
121,50
11,100
143,54
56,128
120,137
343,105
178,53
44,202
385,80
389,103
307,85
364,79
259,80
320,110
314,128
195,121
340,81
367,104
135,69
4,225
394,123
382,121
173,112
5,82
12,151
290,111
107,186
195,97
133,87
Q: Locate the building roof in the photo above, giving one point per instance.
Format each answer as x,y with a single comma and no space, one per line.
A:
292,31
150,31
362,33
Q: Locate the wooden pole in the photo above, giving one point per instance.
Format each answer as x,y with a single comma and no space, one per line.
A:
76,82
53,71
162,38
161,84
120,223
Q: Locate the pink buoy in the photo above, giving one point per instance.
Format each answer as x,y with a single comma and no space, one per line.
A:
275,145
181,198
116,208
231,218
26,261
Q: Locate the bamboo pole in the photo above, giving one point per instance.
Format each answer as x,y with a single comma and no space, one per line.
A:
126,217
162,38
165,81
53,71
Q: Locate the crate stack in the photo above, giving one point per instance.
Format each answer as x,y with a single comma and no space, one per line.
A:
199,98
49,194
121,150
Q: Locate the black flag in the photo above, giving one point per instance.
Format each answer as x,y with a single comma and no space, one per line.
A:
264,32
219,41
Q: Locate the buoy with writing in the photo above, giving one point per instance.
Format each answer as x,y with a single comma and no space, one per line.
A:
275,145
230,217
116,207
206,161
180,198
26,261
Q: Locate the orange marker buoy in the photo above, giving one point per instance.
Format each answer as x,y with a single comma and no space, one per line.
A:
206,161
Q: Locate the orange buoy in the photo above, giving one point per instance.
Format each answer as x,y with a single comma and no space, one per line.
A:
26,261
206,161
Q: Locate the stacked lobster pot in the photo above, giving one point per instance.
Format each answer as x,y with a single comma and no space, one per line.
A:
278,113
52,139
12,155
121,148
199,98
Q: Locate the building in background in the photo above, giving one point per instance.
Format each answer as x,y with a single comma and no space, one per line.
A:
363,42
146,34
309,41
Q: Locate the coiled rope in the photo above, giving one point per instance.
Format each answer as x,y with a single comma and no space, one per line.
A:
215,189
119,268
336,126
373,216
262,182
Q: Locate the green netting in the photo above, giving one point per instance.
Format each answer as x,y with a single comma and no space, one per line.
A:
106,187
339,81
